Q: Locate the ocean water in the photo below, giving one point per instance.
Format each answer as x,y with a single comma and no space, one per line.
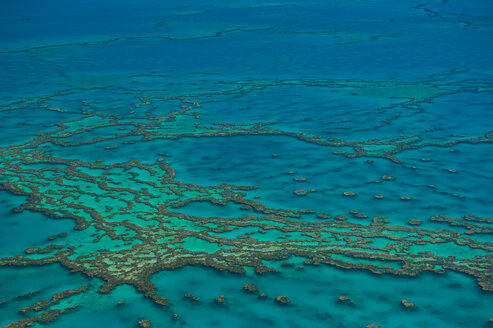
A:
155,155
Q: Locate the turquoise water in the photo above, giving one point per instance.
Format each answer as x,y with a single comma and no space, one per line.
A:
155,149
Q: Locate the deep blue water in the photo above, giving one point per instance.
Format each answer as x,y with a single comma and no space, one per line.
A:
357,70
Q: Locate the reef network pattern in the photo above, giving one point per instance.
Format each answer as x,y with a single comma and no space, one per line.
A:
128,227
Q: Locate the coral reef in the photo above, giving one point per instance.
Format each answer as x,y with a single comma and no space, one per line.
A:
344,300
415,222
128,214
145,323
251,288
408,305
220,300
191,297
282,300
41,305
